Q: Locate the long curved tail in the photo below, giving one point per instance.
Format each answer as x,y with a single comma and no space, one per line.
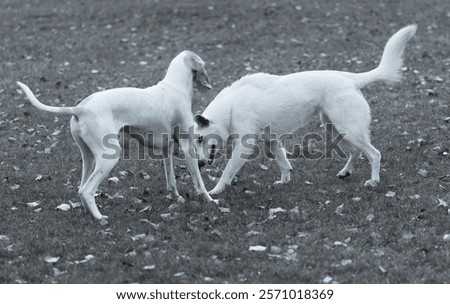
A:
389,70
35,102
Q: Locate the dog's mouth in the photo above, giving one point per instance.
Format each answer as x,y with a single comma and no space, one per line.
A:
212,155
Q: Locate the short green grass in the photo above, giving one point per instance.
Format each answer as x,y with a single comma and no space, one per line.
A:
330,231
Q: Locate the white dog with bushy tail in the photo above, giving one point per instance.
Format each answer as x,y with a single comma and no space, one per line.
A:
287,103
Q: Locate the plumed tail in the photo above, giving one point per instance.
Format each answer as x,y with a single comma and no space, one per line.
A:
389,70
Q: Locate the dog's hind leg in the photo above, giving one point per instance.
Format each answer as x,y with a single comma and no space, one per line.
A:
104,163
351,116
354,155
372,154
87,157
88,160
170,174
239,156
280,157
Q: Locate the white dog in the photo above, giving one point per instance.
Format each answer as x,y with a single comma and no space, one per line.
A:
287,103
163,110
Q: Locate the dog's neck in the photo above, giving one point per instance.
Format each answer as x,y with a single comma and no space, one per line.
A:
180,75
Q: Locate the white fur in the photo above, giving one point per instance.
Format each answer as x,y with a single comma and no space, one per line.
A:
289,102
156,110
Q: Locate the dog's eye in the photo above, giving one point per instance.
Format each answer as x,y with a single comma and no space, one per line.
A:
200,139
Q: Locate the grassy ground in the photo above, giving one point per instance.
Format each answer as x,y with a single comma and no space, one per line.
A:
327,230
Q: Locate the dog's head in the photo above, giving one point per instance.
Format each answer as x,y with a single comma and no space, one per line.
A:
210,141
197,66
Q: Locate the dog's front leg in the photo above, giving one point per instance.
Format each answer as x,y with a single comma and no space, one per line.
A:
238,158
192,166
171,183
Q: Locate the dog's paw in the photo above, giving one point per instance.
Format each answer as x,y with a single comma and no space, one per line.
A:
370,183
343,175
180,199
284,180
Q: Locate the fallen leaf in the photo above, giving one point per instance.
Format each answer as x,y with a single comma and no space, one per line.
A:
144,175
50,259
257,248
74,205
446,237
442,203
224,210
88,257
14,187
138,237
327,280
339,209
64,207
408,236
370,217
33,204
147,208
275,249
4,237
179,274
346,262
263,167
295,210
423,172
131,254
381,268
149,267
114,179
274,211
116,195
212,178
57,272
390,194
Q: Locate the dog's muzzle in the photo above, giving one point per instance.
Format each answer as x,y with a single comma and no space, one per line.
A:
212,155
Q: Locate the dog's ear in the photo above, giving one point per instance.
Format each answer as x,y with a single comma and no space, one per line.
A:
201,78
201,120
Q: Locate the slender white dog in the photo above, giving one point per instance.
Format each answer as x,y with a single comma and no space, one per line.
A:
163,110
287,103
